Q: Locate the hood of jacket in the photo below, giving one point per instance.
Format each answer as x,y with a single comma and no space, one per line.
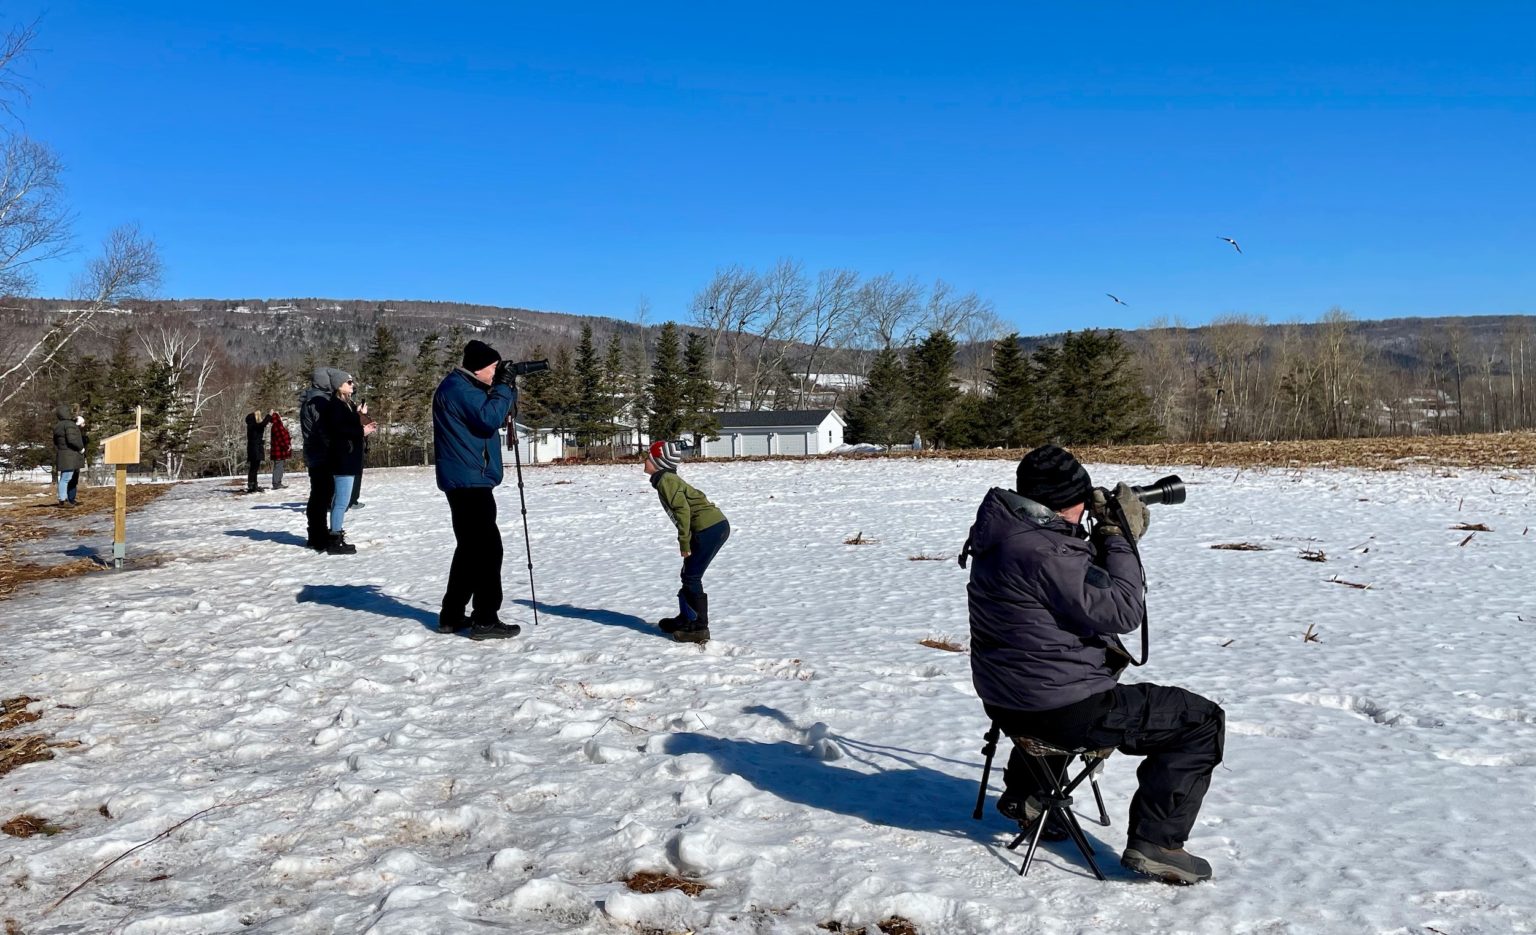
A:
1004,514
64,412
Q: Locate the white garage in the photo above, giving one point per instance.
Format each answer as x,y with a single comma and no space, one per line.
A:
790,432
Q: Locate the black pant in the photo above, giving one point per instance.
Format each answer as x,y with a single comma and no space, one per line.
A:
702,546
476,569
317,511
1180,733
252,465
357,487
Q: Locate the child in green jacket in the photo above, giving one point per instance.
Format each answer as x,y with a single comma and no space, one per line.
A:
701,530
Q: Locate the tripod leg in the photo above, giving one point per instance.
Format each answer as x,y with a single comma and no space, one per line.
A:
990,749
517,459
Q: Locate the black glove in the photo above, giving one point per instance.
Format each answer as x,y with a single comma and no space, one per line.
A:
506,373
1120,513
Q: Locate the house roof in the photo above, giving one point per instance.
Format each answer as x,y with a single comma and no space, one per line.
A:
776,418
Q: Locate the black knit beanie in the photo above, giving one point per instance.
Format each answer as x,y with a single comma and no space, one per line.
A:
1051,477
479,354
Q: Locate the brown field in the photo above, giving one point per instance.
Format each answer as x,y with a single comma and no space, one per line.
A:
28,513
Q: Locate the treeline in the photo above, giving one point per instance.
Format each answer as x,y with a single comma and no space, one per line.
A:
1082,390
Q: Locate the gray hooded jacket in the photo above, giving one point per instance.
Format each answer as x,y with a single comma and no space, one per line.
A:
68,443
323,383
1046,605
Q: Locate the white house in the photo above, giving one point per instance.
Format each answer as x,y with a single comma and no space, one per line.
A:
773,432
539,447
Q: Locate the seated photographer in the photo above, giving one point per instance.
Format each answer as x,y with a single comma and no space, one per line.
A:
1048,601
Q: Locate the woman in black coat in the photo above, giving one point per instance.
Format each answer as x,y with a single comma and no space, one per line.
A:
68,452
344,433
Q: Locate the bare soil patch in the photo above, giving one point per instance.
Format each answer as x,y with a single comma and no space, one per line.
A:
1241,547
648,882
948,646
25,826
32,514
14,713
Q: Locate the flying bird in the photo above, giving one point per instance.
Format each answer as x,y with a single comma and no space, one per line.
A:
1233,243
1116,298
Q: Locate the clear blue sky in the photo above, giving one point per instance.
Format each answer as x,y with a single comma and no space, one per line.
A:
576,157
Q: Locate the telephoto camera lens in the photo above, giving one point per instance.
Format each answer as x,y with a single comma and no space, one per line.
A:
1167,490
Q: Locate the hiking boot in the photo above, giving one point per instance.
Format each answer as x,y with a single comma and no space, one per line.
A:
452,622
491,628
319,545
356,506
1026,810
692,635
339,545
1169,864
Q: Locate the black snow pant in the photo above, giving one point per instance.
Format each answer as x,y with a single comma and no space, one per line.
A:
1180,733
357,487
317,510
476,569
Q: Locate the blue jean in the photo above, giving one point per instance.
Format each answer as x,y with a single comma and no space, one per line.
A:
702,546
64,478
339,501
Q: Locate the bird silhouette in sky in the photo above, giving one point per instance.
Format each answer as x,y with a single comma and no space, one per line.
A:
1116,298
1233,243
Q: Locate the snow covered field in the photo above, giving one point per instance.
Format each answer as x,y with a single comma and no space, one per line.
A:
813,764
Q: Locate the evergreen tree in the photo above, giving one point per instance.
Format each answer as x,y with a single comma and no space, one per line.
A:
124,388
699,406
427,372
666,390
931,386
1010,410
637,372
1045,369
1099,394
590,403
878,414
561,393
615,391
970,422
305,376
272,390
379,387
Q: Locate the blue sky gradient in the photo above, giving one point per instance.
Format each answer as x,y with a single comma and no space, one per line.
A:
1374,156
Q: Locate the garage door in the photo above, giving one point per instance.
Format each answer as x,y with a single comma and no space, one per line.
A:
792,443
754,443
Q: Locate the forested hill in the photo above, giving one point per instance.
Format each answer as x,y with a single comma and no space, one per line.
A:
256,331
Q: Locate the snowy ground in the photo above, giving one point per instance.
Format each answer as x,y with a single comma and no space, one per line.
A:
813,764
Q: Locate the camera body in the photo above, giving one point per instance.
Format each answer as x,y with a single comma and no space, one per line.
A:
509,370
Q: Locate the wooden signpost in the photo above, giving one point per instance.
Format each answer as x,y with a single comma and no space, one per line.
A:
123,450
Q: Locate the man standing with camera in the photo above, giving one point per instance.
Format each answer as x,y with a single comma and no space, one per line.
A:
468,409
1048,602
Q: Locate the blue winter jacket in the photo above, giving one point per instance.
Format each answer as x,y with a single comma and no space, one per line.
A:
1046,605
466,415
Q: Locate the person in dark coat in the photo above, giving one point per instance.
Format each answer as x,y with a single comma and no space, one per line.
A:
282,450
1048,604
255,446
68,453
468,410
344,433
322,484
85,456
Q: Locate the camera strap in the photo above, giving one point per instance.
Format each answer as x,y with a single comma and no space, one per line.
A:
1119,517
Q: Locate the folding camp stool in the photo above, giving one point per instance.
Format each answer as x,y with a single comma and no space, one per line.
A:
1055,795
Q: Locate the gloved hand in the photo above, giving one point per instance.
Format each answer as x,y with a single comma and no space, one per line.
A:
506,375
1137,516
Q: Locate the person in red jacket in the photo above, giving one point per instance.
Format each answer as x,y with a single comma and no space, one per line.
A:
282,450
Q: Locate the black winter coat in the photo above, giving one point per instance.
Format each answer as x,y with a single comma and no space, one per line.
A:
255,434
1046,605
343,433
68,442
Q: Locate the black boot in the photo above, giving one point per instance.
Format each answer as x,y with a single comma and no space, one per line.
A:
697,629
339,544
673,624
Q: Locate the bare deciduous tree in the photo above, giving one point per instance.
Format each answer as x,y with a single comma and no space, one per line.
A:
129,266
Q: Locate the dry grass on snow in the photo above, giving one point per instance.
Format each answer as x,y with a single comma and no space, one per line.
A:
29,512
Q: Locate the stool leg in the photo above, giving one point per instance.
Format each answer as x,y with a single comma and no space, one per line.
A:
1093,780
1081,839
